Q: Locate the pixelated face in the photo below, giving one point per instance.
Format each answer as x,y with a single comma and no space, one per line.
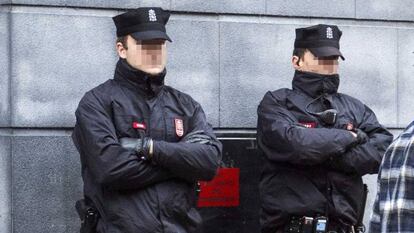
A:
319,65
149,56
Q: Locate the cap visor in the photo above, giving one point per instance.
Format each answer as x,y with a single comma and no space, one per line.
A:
150,35
326,52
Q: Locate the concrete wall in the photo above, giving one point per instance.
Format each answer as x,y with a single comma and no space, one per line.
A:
226,54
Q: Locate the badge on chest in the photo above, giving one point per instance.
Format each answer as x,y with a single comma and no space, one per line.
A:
308,124
138,125
179,127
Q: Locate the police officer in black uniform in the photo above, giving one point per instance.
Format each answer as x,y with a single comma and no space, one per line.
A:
317,143
143,145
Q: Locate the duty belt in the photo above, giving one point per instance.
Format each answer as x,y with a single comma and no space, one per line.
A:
317,224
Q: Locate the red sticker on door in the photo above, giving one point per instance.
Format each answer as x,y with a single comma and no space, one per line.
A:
179,127
222,191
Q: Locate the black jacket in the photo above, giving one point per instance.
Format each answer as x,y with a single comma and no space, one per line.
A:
133,195
312,168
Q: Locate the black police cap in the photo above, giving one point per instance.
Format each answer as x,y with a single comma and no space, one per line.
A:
144,23
322,40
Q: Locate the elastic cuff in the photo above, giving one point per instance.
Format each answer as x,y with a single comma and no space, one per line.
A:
151,148
352,143
155,152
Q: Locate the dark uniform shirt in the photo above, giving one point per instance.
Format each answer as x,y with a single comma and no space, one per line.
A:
133,195
312,168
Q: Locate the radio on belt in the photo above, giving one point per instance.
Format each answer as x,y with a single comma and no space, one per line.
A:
321,224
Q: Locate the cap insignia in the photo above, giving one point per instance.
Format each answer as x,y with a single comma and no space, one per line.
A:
152,16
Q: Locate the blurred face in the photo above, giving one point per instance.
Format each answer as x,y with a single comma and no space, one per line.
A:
319,65
149,56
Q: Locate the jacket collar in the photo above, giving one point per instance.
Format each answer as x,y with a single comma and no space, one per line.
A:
315,85
149,85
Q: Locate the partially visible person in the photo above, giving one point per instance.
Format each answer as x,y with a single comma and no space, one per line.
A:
394,204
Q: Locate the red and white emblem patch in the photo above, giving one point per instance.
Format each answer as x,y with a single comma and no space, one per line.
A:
137,125
179,127
308,124
349,126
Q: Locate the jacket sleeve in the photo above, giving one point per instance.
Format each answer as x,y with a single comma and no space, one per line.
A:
365,158
191,161
282,139
112,166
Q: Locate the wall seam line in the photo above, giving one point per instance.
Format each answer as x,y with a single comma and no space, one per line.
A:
397,86
355,9
219,73
215,13
9,51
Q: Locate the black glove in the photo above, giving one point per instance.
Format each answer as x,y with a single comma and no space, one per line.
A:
197,136
88,214
339,163
141,145
362,137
